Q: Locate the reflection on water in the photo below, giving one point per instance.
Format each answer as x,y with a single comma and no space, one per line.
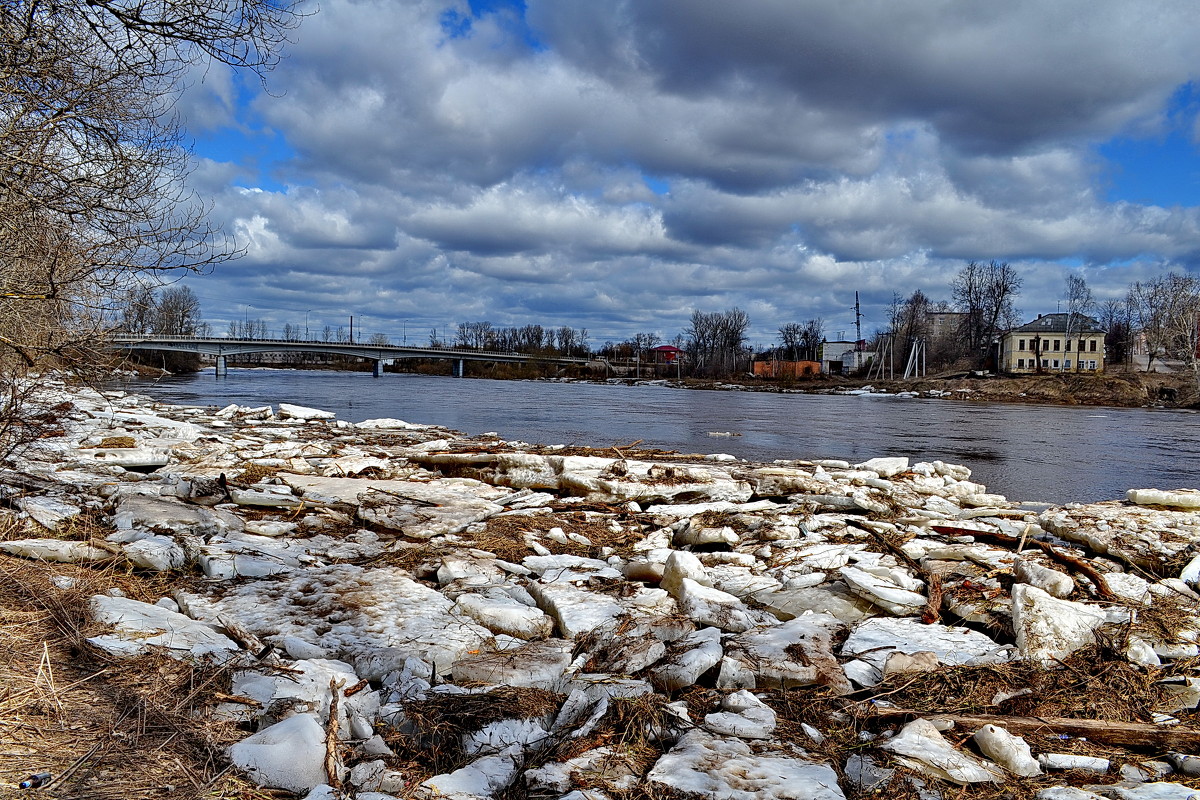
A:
1029,453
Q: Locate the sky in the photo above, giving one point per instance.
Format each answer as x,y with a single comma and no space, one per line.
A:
614,166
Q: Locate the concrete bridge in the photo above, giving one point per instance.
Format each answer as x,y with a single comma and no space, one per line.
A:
221,348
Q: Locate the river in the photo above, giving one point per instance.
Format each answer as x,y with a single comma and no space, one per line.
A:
1028,453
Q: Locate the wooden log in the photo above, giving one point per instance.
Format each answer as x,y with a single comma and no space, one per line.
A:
1136,735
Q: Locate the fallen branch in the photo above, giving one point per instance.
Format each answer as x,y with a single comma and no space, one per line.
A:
1140,735
1067,560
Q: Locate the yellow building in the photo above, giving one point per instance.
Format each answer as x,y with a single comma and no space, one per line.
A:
1054,343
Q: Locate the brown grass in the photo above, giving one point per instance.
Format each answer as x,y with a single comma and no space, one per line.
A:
440,721
252,474
505,536
104,727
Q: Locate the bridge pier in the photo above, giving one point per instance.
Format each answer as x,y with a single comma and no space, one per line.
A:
222,369
377,369
458,368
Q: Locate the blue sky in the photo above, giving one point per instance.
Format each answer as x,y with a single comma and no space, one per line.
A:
615,166
1160,166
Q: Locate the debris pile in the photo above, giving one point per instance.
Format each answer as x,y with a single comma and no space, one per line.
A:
397,610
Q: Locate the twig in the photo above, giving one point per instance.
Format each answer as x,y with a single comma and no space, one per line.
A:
236,698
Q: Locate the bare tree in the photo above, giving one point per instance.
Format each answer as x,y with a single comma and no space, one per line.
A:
1114,316
789,340
136,309
177,312
1079,305
1167,312
717,341
985,292
811,338
92,168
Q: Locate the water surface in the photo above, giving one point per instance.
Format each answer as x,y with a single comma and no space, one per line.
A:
1028,453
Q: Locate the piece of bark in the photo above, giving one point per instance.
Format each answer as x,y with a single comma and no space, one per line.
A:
1139,735
933,608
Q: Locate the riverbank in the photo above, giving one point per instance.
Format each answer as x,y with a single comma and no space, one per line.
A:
201,601
1118,389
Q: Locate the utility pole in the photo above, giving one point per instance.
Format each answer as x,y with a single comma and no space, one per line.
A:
857,319
858,354
351,329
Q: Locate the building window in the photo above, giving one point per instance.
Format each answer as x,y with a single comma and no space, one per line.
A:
1057,342
1082,345
1067,363
1020,344
1045,363
1021,362
1068,347
1091,365
1056,363
1092,346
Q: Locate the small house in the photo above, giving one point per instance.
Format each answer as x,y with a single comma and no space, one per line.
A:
1054,343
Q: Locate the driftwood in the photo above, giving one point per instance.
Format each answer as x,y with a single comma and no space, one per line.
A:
333,761
1139,735
1066,559
242,635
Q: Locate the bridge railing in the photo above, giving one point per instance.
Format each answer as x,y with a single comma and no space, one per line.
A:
122,338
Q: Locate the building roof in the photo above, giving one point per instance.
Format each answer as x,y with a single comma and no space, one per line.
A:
1057,323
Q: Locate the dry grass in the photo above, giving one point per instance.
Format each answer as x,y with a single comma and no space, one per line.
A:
105,728
440,721
117,442
1094,683
252,474
505,536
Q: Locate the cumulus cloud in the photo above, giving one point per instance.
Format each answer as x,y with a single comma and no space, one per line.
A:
615,165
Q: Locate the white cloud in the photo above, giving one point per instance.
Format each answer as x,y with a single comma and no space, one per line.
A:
654,156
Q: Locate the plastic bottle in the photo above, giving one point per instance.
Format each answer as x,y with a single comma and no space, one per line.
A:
35,780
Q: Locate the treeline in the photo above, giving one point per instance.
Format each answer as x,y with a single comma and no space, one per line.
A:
562,341
168,311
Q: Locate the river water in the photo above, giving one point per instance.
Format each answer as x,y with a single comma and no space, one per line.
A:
1028,453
